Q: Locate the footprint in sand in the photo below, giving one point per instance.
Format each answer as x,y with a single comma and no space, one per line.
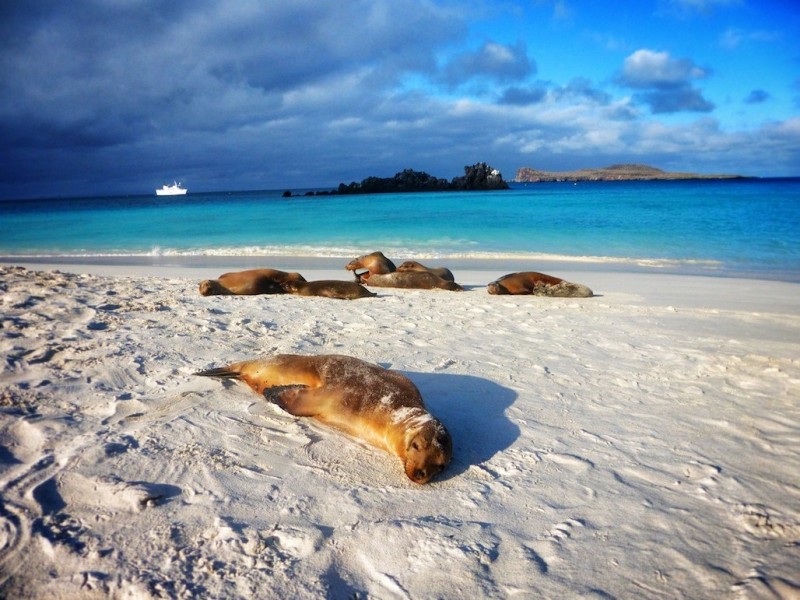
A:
110,495
576,464
21,441
465,547
759,585
760,521
547,550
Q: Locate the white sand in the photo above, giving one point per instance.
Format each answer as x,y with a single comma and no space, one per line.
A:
644,443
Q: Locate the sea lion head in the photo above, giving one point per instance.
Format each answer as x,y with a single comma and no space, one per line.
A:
293,276
211,287
410,265
291,286
428,452
375,263
496,288
354,264
576,290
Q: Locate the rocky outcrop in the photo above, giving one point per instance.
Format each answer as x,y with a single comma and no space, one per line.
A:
407,180
613,173
479,176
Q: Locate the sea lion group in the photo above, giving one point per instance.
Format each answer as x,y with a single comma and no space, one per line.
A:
248,283
538,284
375,270
377,405
381,272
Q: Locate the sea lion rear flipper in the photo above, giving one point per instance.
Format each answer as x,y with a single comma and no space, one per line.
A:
221,372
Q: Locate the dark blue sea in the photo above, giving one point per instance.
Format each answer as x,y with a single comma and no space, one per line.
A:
722,227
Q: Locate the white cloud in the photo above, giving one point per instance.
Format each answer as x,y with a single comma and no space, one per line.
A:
493,61
647,68
664,82
734,37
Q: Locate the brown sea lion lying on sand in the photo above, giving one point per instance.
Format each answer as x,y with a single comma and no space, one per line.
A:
375,264
421,280
538,284
379,406
414,266
249,283
343,290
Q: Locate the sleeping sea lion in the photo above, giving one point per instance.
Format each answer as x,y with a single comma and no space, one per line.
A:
379,406
538,284
421,280
414,266
249,283
343,290
375,264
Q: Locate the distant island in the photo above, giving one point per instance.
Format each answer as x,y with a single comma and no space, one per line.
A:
479,176
612,173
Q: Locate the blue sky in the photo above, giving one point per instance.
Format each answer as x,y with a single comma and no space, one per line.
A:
121,96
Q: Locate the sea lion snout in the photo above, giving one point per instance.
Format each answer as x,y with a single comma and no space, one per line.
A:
420,476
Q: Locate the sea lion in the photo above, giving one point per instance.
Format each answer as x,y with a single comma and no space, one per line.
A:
366,401
375,264
421,280
248,283
343,290
414,266
538,284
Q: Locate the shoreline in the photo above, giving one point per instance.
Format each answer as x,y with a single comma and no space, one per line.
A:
335,264
649,287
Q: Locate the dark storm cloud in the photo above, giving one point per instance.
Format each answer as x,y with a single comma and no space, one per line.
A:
198,59
665,83
120,81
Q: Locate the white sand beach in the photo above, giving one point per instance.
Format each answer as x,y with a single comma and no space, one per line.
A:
642,443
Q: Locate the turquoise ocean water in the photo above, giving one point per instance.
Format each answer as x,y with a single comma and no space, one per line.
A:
734,227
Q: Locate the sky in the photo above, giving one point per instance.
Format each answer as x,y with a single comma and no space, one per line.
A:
102,97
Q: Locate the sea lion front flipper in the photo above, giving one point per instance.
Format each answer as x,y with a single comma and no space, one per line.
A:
291,399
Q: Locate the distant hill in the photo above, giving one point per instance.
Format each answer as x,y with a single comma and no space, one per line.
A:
612,173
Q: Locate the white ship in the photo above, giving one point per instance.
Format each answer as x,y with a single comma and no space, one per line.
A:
171,190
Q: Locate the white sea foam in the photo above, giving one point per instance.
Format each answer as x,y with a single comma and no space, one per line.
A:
394,252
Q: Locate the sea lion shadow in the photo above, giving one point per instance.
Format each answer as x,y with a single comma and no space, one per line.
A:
474,411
